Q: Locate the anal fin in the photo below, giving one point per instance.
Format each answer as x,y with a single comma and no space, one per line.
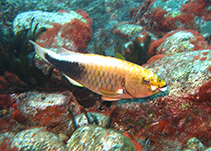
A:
105,98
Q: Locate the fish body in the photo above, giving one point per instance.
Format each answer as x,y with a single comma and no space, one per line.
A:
110,77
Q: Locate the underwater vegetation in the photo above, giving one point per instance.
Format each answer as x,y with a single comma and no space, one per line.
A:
137,51
105,43
17,57
19,73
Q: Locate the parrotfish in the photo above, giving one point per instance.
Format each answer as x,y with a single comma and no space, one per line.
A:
112,78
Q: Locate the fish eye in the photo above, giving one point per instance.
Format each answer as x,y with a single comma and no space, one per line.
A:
145,81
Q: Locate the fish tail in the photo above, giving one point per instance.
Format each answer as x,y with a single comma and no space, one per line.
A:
40,50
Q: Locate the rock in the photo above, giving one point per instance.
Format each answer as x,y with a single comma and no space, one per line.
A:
172,6
68,29
127,30
64,138
44,19
93,137
179,40
47,109
10,83
194,144
36,139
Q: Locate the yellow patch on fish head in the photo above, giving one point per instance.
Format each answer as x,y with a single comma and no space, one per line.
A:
156,83
144,82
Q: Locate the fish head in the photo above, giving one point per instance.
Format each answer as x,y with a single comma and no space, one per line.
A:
145,83
154,83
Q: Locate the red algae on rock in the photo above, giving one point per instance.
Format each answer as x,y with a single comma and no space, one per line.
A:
10,82
44,109
74,35
166,123
85,16
5,101
179,40
203,93
49,36
185,126
195,8
18,116
78,32
161,17
160,23
63,11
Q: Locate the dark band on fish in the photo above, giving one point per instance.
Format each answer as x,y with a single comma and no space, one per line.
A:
72,69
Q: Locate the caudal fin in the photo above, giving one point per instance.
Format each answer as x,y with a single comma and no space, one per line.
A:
40,50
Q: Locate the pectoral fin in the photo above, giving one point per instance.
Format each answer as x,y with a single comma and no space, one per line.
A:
110,99
109,92
119,56
73,81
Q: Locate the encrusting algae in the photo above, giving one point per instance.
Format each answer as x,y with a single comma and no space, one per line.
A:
110,77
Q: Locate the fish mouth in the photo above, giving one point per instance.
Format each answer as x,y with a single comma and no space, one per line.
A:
161,89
